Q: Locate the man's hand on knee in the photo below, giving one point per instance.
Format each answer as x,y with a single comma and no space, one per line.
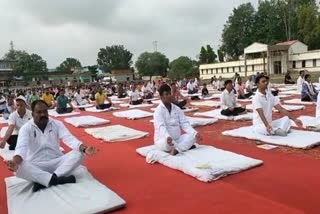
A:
12,165
170,141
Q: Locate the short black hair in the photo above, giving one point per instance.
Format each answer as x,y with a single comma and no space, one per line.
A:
259,77
301,72
164,88
227,82
36,102
307,76
173,83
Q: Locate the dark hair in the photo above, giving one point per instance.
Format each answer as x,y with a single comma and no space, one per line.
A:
259,77
301,72
227,82
204,84
173,83
37,102
307,76
164,88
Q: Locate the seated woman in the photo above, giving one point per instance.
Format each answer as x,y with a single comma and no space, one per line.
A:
121,91
240,90
177,97
135,97
228,100
263,102
62,103
288,79
308,93
204,91
101,98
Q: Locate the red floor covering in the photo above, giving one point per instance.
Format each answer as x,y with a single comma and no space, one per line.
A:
287,182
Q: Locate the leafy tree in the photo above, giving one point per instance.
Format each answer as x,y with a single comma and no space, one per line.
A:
211,55
203,56
114,57
183,67
221,54
152,64
69,64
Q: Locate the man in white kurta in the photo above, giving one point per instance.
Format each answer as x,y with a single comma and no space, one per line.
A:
168,122
38,157
300,81
263,103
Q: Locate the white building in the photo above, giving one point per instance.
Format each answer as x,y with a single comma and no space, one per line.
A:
272,59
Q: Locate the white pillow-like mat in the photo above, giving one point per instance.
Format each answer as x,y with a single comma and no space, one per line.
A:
217,114
297,101
143,105
286,107
293,92
86,196
94,109
244,100
308,121
53,113
185,110
6,154
116,133
209,103
213,96
296,138
133,114
3,121
198,121
3,131
85,121
205,163
81,106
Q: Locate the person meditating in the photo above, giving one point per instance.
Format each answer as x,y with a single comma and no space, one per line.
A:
16,120
135,97
100,98
229,101
38,157
263,102
168,122
177,97
62,103
308,92
48,98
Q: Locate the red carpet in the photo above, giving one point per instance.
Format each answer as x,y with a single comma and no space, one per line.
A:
288,182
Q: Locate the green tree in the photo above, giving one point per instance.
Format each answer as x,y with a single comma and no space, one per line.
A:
221,55
69,64
211,55
114,57
203,56
152,64
238,31
183,67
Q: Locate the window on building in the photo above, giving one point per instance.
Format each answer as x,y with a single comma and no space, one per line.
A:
294,64
221,70
239,68
216,70
207,71
303,64
202,72
232,69
314,63
252,67
227,69
211,71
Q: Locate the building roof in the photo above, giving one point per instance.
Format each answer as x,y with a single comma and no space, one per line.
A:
291,42
256,48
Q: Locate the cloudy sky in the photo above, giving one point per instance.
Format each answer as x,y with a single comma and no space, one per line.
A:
79,28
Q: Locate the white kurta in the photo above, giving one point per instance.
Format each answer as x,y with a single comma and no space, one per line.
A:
299,84
228,100
41,153
169,125
318,109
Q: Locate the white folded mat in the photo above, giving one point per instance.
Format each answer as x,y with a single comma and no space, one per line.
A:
244,100
3,131
156,101
86,196
286,107
284,95
205,163
186,110
94,109
75,105
53,113
296,138
217,114
293,92
116,133
209,103
3,121
143,105
117,101
213,96
198,121
151,99
308,121
115,98
297,101
192,95
133,114
6,154
85,121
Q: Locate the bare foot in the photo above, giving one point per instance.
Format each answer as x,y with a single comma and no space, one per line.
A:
173,152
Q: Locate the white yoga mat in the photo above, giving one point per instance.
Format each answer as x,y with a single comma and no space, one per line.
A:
86,121
213,96
205,163
298,101
114,98
3,131
296,138
198,121
186,110
3,121
133,114
53,113
143,105
286,107
217,114
244,100
86,196
116,133
293,92
209,103
308,121
192,95
81,106
94,109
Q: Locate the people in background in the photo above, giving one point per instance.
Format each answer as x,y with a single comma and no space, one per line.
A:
308,93
204,91
220,84
228,100
135,97
121,91
300,81
288,79
62,103
48,98
240,90
177,97
100,98
250,86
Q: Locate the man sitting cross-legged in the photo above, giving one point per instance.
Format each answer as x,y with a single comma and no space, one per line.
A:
168,121
263,103
37,156
229,101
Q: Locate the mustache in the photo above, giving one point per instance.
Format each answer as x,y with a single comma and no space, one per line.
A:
44,118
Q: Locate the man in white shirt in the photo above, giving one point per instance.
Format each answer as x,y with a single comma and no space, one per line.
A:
263,102
2,103
250,85
37,156
16,120
229,101
168,121
300,81
135,97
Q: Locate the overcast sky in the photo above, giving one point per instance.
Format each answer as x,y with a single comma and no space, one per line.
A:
79,28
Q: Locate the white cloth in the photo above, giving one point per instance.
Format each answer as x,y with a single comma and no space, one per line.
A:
135,95
86,196
85,105
308,121
300,82
318,109
85,121
94,109
205,163
3,120
283,123
115,133
79,100
295,138
217,114
286,107
266,103
209,103
17,121
228,100
198,121
169,125
54,113
249,84
143,105
133,114
213,96
186,110
298,101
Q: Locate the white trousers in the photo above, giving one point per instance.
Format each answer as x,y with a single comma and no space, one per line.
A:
41,172
283,123
182,144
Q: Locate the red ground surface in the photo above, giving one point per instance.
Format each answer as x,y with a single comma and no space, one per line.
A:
287,182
